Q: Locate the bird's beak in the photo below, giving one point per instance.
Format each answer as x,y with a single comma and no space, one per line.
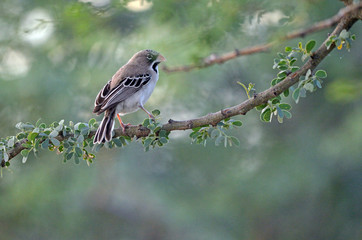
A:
161,58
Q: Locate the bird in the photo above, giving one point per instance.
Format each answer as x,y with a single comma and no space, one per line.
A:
127,91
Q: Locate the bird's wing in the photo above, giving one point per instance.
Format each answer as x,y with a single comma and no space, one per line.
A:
108,98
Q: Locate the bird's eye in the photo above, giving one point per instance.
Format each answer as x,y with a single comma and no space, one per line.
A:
149,57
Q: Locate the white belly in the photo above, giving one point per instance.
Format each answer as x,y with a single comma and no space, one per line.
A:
132,103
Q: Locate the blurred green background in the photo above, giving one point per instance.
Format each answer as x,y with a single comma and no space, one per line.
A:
297,180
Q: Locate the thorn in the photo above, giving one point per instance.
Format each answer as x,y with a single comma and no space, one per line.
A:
275,93
170,121
237,52
255,95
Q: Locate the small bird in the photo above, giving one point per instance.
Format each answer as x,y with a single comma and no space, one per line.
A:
127,91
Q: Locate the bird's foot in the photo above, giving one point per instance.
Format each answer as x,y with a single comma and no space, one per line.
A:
124,126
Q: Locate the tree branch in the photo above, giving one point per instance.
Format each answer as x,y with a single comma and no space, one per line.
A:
350,16
213,59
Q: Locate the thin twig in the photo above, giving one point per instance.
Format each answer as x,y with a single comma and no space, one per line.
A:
213,59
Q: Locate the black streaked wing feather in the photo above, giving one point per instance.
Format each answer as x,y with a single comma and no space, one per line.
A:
98,103
124,90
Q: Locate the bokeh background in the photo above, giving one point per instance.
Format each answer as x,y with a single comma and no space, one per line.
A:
297,180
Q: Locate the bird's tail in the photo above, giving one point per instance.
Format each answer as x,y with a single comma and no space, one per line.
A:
104,131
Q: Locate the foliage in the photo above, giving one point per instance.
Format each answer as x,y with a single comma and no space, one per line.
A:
345,37
309,82
200,135
247,89
158,136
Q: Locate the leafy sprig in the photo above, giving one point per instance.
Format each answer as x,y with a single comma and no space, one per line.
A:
285,64
344,38
248,89
310,82
157,137
200,135
276,108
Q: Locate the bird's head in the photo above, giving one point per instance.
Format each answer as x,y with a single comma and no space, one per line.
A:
148,57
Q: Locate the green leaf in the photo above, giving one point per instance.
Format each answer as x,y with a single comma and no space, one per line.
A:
265,116
237,123
123,140
27,145
329,43
37,124
76,160
146,122
6,156
78,151
156,112
118,142
318,83
235,140
344,34
281,55
280,112
55,141
163,140
285,106
11,142
282,75
300,46
53,134
310,45
280,120
79,126
80,139
353,37
92,121
32,136
69,156
194,134
215,133
45,144
275,81
21,135
275,100
302,92
24,126
292,60
321,74
286,93
147,142
294,69
309,87
283,67
295,95
261,107
219,140
162,133
151,127
25,154
287,114
288,49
